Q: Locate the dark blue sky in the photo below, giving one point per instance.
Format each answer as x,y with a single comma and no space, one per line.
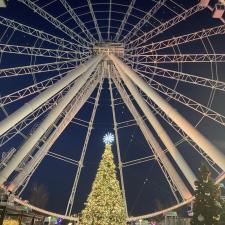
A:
144,183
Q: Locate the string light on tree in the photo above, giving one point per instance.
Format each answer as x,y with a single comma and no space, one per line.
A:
105,203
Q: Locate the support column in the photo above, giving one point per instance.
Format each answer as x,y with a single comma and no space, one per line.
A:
160,131
78,102
115,126
36,102
211,150
154,145
70,203
47,122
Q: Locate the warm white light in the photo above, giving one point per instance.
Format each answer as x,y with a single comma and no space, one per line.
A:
108,138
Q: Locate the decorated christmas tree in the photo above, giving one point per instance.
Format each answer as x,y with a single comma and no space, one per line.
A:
105,205
207,205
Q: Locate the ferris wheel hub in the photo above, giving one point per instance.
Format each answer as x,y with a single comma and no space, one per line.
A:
115,48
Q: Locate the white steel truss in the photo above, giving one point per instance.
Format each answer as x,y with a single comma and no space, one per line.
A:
81,42
78,21
143,21
39,68
33,89
146,48
183,58
124,21
94,20
205,111
180,76
38,34
164,26
52,53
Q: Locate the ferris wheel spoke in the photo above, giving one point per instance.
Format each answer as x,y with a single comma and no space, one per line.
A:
52,53
138,161
162,114
143,21
78,21
38,68
109,21
205,111
183,58
164,162
94,20
180,76
63,158
26,109
70,203
164,26
56,129
124,21
38,34
81,42
30,90
218,30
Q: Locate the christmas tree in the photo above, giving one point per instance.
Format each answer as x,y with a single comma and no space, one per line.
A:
105,205
207,207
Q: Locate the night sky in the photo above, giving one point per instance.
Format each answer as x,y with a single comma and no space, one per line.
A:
146,187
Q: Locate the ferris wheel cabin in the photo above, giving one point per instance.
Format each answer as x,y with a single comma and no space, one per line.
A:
219,10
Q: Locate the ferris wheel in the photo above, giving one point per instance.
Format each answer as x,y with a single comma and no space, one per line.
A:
158,65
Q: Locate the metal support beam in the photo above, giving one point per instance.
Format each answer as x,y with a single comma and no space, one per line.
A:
155,146
162,134
115,126
29,107
69,113
211,150
70,203
46,124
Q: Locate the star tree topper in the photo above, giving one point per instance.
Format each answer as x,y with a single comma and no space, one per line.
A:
108,138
